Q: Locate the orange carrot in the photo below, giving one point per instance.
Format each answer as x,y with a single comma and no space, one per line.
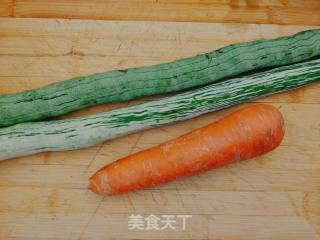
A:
244,134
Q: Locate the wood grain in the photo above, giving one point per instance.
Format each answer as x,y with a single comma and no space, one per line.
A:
297,12
45,196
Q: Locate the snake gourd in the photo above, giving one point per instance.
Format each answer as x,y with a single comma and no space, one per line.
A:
28,138
120,85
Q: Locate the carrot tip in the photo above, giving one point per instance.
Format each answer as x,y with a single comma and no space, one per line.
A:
99,184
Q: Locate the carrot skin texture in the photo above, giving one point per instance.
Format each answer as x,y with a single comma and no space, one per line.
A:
244,134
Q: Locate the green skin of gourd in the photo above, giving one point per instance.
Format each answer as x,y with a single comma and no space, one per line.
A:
120,85
28,138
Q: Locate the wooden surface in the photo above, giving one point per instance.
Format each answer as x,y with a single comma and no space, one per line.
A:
45,196
300,12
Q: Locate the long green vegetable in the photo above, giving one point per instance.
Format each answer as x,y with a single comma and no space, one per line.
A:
28,138
60,98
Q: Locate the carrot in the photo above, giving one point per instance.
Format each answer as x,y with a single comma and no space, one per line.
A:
244,134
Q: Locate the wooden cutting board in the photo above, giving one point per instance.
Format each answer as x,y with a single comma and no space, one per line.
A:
45,196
